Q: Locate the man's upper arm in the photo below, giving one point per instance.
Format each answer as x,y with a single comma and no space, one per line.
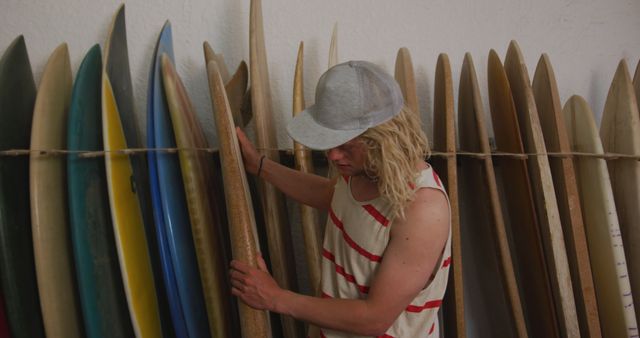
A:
415,246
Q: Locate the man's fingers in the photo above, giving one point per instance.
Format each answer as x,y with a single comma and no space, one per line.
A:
261,263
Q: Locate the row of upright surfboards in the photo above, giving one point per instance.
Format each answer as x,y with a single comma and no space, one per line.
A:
545,225
103,239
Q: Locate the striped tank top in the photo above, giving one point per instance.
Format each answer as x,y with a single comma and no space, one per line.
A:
356,236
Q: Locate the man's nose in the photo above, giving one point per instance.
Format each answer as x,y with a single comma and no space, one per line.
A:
334,154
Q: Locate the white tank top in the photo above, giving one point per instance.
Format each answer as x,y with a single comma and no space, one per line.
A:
357,234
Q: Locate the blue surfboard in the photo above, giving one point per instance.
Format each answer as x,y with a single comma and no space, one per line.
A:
170,207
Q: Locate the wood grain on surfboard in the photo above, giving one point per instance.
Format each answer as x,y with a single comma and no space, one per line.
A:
444,140
545,91
102,295
620,134
406,79
50,222
485,247
543,191
242,224
308,216
206,226
17,269
273,204
606,252
235,86
131,241
522,223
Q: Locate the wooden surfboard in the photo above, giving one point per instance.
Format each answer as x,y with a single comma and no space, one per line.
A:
242,224
444,140
102,297
175,213
235,86
17,269
620,134
406,79
606,252
522,223
308,216
116,66
545,91
272,200
488,266
131,241
52,249
333,46
208,234
543,191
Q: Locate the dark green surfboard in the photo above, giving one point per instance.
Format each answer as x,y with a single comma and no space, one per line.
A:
18,279
102,298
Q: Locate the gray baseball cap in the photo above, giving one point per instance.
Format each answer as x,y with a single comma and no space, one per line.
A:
351,97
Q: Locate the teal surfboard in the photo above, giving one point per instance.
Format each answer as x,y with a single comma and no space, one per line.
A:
17,270
102,297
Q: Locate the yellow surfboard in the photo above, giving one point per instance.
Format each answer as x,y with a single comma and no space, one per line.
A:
131,241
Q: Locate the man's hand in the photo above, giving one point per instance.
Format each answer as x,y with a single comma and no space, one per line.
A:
250,155
254,286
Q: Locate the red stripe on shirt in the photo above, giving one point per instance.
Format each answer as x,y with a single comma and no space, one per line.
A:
436,178
346,178
446,262
433,328
350,241
432,304
324,295
376,214
340,270
322,334
385,336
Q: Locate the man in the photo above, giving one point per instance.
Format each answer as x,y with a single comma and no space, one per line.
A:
386,250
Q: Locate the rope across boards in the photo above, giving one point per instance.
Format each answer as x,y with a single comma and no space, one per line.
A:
138,151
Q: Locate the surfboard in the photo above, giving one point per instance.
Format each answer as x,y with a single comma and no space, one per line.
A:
333,46
168,200
406,79
235,86
17,269
50,223
522,222
606,252
116,66
488,272
272,200
444,140
543,190
545,91
636,83
208,235
131,241
309,217
620,134
102,298
242,224
4,326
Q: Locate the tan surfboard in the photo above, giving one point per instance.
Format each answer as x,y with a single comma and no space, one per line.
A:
333,46
620,134
236,86
406,79
242,224
517,199
488,266
55,270
206,225
545,91
272,200
606,252
308,216
444,140
543,191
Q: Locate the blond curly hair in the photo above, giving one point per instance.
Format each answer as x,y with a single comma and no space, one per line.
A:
394,149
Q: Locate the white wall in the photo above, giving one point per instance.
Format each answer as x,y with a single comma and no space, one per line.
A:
584,39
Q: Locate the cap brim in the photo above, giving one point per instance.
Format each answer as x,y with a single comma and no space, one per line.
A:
305,130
